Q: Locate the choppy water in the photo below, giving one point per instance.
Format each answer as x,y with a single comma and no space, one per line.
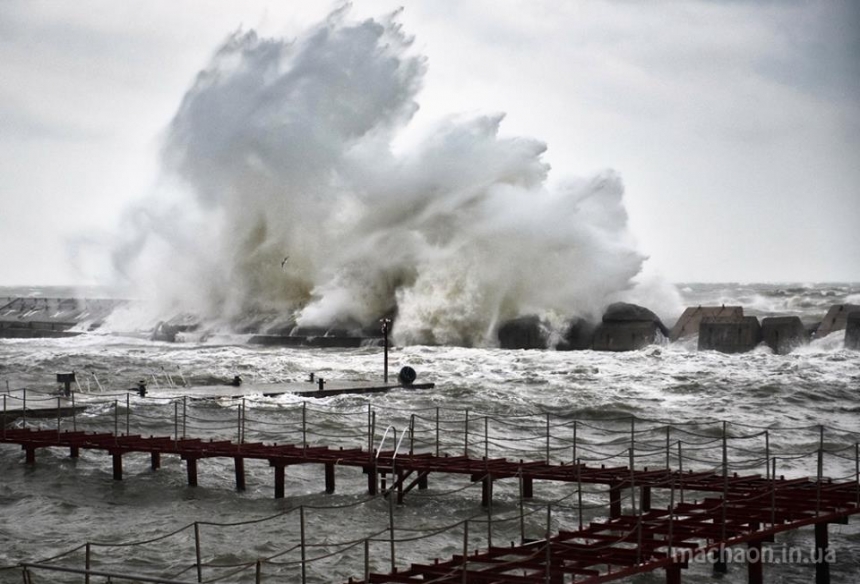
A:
60,503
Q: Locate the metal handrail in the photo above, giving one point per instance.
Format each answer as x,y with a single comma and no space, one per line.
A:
381,442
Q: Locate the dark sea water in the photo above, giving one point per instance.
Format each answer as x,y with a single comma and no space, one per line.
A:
508,397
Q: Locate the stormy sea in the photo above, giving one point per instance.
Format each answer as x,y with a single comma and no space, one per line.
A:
295,191
505,397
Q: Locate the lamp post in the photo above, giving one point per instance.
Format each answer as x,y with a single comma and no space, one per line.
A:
386,324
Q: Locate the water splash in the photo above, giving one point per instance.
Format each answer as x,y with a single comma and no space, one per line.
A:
284,148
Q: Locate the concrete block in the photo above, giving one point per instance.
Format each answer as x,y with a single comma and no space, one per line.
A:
625,336
525,332
852,331
578,335
729,335
688,324
836,319
783,334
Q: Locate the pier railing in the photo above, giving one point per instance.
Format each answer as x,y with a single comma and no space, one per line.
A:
700,446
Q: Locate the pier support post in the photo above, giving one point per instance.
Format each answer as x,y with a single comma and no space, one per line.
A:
528,488
422,482
279,478
822,566
74,451
30,454
754,562
155,460
239,464
486,491
329,477
721,566
673,574
117,465
645,499
615,501
192,471
371,480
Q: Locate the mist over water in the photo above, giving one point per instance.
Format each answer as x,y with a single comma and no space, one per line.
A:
282,149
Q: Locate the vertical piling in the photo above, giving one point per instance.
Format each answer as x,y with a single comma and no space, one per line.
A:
279,478
155,461
822,566
486,490
239,465
127,415
117,465
615,501
755,573
191,465
329,477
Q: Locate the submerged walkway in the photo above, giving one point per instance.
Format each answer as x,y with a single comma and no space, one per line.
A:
735,509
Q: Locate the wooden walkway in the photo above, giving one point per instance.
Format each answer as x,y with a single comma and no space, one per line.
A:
735,509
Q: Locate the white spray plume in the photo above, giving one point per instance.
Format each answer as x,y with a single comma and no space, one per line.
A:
284,149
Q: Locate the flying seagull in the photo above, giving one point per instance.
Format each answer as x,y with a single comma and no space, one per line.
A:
284,263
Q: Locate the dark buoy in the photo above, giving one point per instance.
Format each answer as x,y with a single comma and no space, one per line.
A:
407,375
141,388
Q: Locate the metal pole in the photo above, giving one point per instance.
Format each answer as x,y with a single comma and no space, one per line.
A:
258,576
24,410
391,523
437,430
486,438
547,437
579,491
197,552
369,431
184,414
574,459
127,415
239,424
548,550
385,323
773,495
87,561
115,418
465,550
74,413
58,418
681,471
632,438
466,435
767,454
367,560
820,470
522,512
489,522
4,415
175,421
671,514
302,536
244,418
668,447
725,452
304,425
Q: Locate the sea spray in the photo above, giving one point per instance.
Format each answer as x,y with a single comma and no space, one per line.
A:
289,206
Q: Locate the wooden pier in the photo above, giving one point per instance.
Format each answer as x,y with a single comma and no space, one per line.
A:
734,509
655,517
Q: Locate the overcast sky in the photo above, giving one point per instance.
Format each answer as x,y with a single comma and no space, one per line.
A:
734,125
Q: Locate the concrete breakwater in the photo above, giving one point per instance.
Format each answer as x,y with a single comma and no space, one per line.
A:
623,327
